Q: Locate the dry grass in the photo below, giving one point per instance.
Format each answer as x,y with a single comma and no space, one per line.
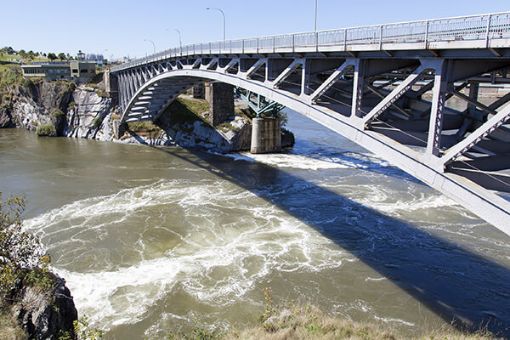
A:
9,330
309,323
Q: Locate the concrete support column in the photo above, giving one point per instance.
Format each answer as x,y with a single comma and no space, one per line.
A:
221,102
266,135
473,95
198,91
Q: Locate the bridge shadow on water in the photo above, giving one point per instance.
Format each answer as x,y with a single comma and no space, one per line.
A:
462,287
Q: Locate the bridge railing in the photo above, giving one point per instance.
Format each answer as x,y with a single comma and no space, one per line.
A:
485,28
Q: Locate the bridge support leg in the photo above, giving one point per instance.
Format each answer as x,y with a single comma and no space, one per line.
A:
198,91
266,135
221,101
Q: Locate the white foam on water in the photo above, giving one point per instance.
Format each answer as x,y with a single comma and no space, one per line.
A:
419,202
215,263
393,320
305,160
376,279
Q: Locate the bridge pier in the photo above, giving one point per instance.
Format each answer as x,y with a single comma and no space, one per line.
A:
220,97
266,135
198,91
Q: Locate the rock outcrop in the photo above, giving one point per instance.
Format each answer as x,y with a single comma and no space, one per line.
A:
32,105
89,115
45,312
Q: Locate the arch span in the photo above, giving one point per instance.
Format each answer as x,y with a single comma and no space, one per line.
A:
484,203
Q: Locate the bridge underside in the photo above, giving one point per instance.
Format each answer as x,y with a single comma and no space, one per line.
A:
439,116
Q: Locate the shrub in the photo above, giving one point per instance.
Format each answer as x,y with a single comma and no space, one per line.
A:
102,93
96,123
57,113
143,126
27,82
46,130
19,251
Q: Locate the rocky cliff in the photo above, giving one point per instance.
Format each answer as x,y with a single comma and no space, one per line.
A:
86,113
44,310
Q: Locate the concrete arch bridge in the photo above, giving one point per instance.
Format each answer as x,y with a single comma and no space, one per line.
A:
431,97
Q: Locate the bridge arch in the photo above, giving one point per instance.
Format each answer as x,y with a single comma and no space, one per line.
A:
484,203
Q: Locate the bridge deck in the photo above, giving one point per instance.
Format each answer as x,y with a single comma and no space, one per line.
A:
467,32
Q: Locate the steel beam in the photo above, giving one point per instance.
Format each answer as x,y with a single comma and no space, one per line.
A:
438,103
398,92
474,138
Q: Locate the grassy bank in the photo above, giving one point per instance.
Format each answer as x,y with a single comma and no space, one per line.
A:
309,323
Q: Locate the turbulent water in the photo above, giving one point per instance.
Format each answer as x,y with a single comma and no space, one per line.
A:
155,240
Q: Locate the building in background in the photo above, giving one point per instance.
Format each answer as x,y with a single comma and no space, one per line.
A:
47,70
96,58
82,71
77,71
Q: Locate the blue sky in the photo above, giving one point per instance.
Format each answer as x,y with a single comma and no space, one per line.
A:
120,27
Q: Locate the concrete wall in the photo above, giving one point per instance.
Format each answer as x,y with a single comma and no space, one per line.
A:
266,136
221,101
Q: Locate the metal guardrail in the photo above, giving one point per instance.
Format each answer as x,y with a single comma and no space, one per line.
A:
485,28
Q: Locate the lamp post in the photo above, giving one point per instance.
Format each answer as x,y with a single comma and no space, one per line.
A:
316,12
180,37
152,42
224,20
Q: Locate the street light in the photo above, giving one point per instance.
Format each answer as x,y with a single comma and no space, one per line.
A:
224,20
152,42
316,11
180,37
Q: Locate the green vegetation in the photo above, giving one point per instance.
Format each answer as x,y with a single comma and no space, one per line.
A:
21,257
83,331
10,75
96,123
187,110
227,126
143,126
57,113
46,130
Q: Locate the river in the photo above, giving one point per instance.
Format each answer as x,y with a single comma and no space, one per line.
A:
153,240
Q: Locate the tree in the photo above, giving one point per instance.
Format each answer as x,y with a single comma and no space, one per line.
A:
52,56
19,250
7,50
62,56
